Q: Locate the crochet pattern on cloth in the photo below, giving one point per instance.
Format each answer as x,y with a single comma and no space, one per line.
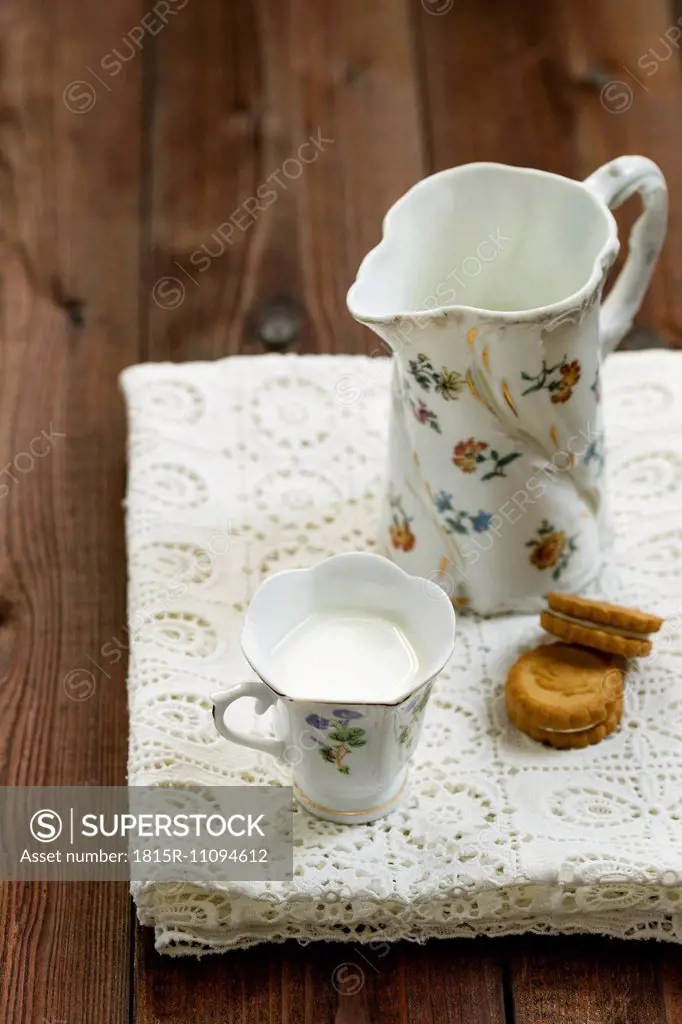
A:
250,465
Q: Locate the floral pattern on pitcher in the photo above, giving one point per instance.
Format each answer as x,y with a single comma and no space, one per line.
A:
423,414
402,537
559,380
595,386
449,384
595,454
344,737
551,549
458,521
468,455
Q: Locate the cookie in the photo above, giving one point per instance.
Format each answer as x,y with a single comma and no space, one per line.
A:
572,740
566,696
602,626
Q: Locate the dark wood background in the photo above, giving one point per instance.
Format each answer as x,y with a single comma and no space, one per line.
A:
107,186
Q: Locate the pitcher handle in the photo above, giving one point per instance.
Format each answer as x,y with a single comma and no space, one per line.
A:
614,183
265,698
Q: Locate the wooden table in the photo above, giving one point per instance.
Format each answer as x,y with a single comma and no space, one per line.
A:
126,143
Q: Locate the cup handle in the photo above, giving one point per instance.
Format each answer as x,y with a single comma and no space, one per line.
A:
265,698
614,183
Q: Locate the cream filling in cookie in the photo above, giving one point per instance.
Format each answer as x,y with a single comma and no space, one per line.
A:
627,634
585,728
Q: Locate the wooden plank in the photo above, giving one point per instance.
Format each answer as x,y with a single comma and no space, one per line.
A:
464,982
338,983
494,85
267,985
69,180
452,982
627,80
205,153
670,974
586,979
227,274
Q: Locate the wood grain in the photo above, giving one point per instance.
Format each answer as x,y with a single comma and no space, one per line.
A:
325,983
208,128
587,980
668,962
441,983
69,188
268,985
245,116
495,85
627,101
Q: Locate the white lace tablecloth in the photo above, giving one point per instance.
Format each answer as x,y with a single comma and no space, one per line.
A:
249,465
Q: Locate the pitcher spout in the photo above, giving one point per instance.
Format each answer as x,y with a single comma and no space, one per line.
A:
482,239
383,295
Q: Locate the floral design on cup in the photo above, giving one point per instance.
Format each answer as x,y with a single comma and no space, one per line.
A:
416,707
402,537
458,521
559,379
449,384
344,737
423,414
468,455
551,549
341,744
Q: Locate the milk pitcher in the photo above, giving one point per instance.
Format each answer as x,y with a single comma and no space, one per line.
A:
487,288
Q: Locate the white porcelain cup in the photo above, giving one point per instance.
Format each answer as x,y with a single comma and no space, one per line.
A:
349,756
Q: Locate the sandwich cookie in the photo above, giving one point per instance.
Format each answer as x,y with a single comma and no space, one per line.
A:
566,696
602,626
